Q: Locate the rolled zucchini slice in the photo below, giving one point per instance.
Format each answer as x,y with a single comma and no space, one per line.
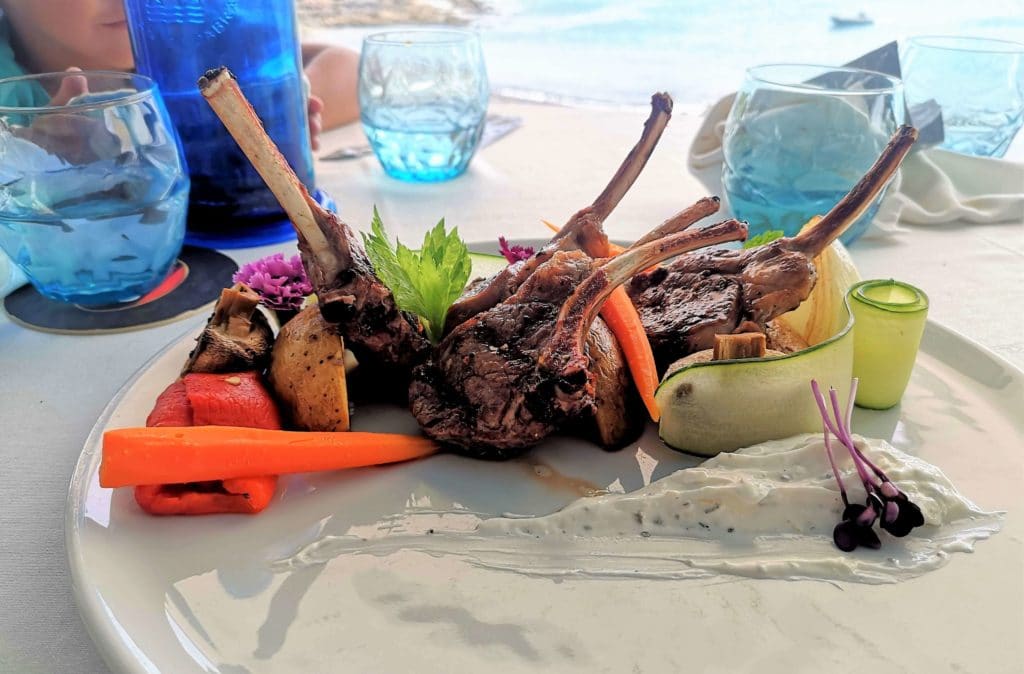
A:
890,319
717,406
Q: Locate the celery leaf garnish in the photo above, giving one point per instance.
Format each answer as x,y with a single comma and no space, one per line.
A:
424,282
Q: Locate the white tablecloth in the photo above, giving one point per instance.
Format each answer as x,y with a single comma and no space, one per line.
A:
53,387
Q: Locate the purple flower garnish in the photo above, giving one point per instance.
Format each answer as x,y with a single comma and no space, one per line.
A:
514,253
281,284
886,504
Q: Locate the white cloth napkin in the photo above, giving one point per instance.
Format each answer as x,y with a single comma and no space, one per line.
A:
933,186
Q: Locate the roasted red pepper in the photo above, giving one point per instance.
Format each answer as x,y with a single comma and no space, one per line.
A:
234,399
240,495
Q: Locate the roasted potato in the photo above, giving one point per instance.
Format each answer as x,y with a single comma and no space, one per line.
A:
307,373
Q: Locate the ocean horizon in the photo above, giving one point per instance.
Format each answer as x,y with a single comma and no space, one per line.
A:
620,52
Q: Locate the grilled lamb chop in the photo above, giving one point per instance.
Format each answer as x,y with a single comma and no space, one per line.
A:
686,303
584,229
349,293
506,378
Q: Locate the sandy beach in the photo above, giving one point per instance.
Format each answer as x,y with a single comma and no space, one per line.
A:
341,13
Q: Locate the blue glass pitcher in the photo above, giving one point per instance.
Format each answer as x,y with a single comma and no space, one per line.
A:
175,42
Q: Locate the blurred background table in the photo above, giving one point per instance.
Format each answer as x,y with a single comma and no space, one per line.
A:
53,387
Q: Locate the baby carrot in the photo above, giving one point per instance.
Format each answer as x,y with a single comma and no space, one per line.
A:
624,322
158,455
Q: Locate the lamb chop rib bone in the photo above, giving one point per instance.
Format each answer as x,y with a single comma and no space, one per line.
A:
698,211
535,373
349,292
221,91
583,230
629,170
588,237
684,304
579,311
860,196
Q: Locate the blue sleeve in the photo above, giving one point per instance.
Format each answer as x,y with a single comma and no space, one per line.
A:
22,94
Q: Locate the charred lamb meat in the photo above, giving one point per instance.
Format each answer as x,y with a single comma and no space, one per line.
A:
505,379
350,294
685,304
584,230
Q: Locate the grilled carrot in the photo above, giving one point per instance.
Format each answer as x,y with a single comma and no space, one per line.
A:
134,456
624,322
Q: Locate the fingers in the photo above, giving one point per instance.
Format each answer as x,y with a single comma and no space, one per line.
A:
70,87
316,121
78,139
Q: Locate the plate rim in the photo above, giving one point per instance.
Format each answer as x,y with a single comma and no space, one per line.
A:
110,644
115,647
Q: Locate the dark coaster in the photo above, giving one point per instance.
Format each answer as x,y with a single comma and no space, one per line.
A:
193,285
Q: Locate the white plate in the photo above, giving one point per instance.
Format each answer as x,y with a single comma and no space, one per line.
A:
199,594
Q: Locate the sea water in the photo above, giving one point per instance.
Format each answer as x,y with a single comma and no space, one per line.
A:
101,247
697,50
622,52
424,144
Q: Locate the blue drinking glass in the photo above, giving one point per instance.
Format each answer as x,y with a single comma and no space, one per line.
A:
423,99
93,187
977,82
798,137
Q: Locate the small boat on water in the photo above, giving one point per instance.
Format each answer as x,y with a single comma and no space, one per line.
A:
861,19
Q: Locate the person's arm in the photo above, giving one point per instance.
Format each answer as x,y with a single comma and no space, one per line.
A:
333,73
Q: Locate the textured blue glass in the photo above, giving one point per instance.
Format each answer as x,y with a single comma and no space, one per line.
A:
423,99
798,137
93,194
175,42
978,83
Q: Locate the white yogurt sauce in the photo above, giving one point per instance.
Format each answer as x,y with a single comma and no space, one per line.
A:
763,511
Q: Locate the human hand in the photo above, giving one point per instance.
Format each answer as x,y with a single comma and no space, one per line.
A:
76,138
70,87
316,121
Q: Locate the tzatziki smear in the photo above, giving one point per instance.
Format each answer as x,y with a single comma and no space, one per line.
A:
764,511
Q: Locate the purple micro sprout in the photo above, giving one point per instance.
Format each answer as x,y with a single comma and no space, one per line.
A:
514,252
885,502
